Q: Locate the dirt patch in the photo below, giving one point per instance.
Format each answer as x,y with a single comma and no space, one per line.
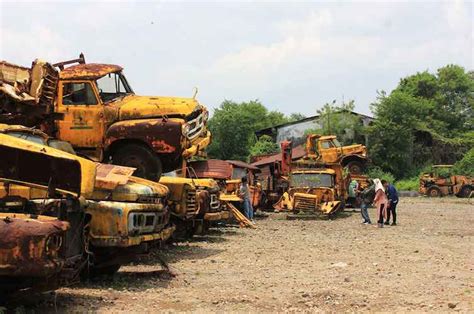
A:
423,264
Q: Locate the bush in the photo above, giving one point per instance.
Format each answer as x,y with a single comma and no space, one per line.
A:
466,165
377,172
408,184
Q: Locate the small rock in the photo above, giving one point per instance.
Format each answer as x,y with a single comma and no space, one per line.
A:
451,305
340,264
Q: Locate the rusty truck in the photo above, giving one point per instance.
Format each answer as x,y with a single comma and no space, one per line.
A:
128,215
194,204
327,149
43,242
93,107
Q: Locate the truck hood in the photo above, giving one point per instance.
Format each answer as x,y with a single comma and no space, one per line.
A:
137,107
355,148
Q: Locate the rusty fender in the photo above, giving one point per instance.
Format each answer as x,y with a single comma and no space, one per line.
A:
29,247
164,136
124,224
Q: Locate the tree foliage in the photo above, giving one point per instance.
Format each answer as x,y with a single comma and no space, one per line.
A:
428,118
233,126
465,166
264,145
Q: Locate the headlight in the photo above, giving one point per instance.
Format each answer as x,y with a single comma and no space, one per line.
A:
205,116
185,129
53,244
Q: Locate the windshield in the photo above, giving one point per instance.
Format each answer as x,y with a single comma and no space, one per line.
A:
336,143
28,136
61,145
312,180
112,86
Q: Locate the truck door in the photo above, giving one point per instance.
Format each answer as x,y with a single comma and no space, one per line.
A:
328,151
83,122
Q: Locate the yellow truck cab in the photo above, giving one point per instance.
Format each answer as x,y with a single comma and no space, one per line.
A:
93,107
327,149
129,215
42,243
194,204
313,192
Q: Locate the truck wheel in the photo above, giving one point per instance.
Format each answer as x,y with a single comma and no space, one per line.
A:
434,191
148,164
465,192
355,167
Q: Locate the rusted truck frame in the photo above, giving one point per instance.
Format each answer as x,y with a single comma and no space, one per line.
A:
194,204
432,184
128,215
93,107
42,244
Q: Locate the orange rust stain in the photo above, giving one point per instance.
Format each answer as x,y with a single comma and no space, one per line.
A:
162,146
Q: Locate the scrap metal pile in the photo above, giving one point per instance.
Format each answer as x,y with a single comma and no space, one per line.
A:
81,185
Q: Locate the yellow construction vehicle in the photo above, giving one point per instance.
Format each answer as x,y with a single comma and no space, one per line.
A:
327,149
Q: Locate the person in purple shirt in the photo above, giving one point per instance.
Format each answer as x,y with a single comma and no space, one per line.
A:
392,195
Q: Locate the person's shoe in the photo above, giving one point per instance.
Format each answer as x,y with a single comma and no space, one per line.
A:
380,225
386,223
365,222
369,222
393,224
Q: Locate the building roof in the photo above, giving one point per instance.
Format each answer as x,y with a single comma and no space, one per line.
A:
297,153
311,118
88,71
241,164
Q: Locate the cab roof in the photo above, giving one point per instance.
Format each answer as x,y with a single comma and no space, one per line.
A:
88,71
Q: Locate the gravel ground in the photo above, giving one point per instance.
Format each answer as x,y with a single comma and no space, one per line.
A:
426,263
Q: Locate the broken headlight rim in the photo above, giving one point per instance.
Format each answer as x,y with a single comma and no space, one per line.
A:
185,128
52,244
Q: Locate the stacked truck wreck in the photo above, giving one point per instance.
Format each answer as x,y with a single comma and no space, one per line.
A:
64,215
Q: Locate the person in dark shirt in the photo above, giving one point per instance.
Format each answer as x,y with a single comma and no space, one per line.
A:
367,198
392,195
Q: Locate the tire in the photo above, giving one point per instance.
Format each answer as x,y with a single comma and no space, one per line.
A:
148,164
355,167
433,191
465,191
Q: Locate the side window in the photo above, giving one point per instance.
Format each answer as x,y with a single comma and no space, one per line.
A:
78,94
326,144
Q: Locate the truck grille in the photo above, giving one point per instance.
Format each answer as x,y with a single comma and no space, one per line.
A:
215,203
191,205
196,126
305,203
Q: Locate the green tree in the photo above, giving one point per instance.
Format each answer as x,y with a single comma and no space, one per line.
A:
340,121
426,119
233,126
264,145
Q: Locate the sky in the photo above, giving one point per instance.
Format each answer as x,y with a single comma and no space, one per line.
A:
292,56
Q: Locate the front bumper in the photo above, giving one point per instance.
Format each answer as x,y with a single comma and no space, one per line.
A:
127,241
222,215
197,145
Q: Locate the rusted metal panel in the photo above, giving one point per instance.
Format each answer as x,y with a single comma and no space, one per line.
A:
88,71
241,164
211,168
30,246
298,152
110,176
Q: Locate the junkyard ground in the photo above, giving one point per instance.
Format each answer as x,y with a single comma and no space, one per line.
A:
426,263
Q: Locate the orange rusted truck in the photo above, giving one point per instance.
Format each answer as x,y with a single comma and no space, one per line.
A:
93,107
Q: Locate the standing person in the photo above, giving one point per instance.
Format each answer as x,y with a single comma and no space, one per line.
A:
353,186
244,193
392,202
381,202
367,197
